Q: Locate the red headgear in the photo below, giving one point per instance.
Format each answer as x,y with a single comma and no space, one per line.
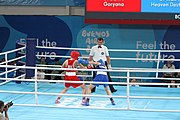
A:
75,54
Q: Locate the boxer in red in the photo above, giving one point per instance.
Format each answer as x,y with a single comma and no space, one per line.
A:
70,75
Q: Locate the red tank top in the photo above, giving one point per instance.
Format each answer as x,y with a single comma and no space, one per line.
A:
70,65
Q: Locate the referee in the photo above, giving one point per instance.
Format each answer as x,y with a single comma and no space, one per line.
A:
98,52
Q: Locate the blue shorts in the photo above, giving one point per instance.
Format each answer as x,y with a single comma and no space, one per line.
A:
101,78
80,78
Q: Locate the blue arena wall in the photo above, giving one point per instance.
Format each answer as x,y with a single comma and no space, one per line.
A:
70,31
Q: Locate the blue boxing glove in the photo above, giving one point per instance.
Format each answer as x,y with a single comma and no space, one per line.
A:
82,61
102,62
86,62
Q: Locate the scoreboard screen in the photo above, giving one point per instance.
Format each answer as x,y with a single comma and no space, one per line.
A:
165,12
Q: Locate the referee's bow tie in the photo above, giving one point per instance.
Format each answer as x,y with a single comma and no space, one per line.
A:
99,47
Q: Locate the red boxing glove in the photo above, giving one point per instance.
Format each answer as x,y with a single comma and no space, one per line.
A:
89,67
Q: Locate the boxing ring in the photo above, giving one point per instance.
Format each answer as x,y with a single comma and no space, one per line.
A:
37,96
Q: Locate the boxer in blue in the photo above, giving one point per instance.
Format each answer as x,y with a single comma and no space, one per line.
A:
101,76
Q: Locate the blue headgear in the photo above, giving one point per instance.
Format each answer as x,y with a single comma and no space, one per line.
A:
101,61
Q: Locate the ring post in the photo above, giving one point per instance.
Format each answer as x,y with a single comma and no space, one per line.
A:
30,56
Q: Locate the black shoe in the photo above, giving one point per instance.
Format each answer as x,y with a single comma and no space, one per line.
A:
114,90
112,102
93,90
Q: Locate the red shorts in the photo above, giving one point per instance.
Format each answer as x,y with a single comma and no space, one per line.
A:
72,78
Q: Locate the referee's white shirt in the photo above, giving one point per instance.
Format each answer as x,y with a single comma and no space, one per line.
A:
99,53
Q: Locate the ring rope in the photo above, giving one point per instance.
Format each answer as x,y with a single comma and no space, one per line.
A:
113,58
119,70
64,81
11,51
12,60
108,70
111,50
6,72
9,80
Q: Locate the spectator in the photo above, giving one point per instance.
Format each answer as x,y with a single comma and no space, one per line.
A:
134,81
3,60
178,81
169,65
43,62
178,75
53,77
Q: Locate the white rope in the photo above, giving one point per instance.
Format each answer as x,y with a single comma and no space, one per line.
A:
62,48
114,58
3,53
109,70
21,76
153,110
96,108
22,43
3,83
36,93
149,97
22,62
18,58
57,94
64,75
70,107
91,95
111,50
9,71
7,81
58,56
42,65
64,81
133,97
